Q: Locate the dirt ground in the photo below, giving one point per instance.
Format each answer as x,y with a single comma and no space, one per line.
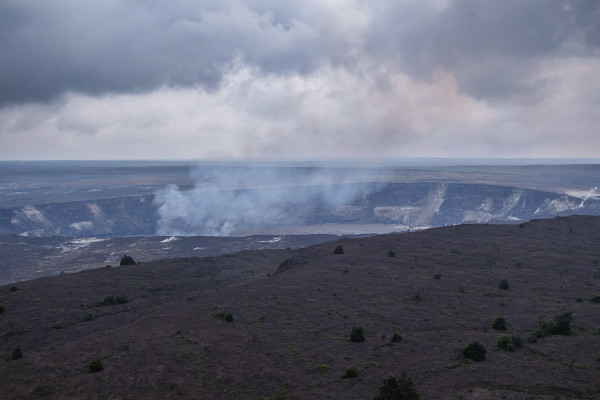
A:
293,311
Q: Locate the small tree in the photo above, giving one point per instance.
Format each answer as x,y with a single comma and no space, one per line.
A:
398,388
474,351
357,334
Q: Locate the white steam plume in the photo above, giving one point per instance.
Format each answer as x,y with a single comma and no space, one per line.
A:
229,198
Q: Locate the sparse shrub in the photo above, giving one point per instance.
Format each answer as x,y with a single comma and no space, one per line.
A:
13,288
510,343
560,326
323,367
437,276
339,250
531,339
127,260
224,316
499,324
16,354
351,372
579,300
455,251
398,388
112,301
543,329
396,338
95,366
503,284
391,253
474,351
596,299
357,334
1,309
89,317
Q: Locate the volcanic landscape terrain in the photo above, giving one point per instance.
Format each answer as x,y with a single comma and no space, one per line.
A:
275,324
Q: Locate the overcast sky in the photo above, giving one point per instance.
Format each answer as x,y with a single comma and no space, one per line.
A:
272,79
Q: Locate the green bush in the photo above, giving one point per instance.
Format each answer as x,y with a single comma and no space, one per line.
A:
510,343
503,284
351,372
357,334
560,326
596,299
95,365
13,288
224,316
543,329
396,338
474,351
499,324
398,388
339,250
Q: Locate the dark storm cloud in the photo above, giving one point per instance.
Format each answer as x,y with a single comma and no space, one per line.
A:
492,47
50,47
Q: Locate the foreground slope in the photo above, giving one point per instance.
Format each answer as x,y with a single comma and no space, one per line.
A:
293,311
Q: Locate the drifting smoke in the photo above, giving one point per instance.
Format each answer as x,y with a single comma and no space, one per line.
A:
226,199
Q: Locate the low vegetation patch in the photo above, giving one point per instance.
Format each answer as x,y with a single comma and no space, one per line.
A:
474,351
323,367
396,338
561,325
510,343
112,301
89,317
95,366
596,298
224,316
391,254
351,372
398,388
499,324
357,334
339,250
503,284
16,354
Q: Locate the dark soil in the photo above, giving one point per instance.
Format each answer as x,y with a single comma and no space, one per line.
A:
289,335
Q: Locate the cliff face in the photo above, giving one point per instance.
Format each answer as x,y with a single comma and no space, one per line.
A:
402,205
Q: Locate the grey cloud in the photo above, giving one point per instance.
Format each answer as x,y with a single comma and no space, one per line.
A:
51,47
492,47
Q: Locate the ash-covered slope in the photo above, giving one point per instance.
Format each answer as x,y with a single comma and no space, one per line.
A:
290,328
